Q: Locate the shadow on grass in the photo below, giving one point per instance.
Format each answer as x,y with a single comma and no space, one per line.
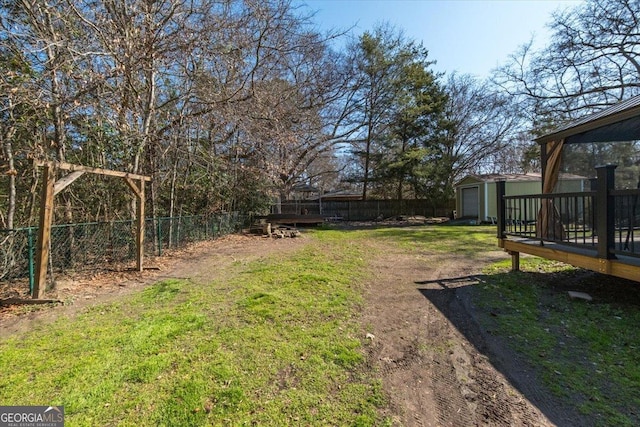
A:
546,343
454,298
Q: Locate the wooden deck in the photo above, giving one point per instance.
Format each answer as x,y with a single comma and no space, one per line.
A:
293,219
626,267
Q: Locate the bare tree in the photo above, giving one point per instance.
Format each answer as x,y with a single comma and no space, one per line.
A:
223,102
482,122
16,115
593,60
283,114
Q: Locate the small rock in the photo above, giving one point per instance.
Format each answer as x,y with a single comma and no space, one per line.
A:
370,336
580,295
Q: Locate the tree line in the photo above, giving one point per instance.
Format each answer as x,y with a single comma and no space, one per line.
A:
228,104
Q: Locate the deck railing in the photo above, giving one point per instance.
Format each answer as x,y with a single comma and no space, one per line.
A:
574,211
627,222
605,220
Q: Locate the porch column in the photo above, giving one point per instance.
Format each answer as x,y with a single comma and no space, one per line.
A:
605,211
501,211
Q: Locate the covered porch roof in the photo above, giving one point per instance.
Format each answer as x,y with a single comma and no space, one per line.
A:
619,122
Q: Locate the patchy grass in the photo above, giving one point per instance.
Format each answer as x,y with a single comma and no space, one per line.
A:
586,352
277,344
460,240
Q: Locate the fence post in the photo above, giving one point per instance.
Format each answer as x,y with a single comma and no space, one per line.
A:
32,274
605,210
177,241
502,213
159,235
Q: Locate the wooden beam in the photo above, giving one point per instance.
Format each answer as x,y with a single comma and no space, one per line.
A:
134,186
611,267
44,231
72,168
23,301
64,182
46,211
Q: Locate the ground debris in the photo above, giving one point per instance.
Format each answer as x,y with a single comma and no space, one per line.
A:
580,295
281,232
27,301
278,231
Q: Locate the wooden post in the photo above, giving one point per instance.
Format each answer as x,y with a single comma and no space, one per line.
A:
44,231
140,231
605,221
139,191
515,260
543,160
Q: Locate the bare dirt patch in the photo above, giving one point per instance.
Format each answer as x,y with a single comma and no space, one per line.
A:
437,365
200,262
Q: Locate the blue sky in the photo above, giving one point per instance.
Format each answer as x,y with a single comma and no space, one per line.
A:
467,36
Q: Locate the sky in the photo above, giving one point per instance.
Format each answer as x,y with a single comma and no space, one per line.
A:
466,36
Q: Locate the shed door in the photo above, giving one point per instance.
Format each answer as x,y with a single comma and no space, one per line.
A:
470,202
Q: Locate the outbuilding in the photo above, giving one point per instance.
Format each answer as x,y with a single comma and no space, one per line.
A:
476,194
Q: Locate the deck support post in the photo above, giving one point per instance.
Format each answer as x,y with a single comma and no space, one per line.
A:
605,211
515,260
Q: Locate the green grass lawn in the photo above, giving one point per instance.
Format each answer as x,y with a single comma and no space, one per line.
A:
588,353
279,341
456,240
278,344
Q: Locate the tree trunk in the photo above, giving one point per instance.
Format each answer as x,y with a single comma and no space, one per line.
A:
401,177
172,196
8,152
367,156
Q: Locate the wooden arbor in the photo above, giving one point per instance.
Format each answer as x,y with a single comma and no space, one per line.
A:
51,187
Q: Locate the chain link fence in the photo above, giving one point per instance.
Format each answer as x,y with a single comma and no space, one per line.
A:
96,245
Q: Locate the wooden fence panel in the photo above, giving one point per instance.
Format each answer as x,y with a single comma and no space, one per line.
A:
366,210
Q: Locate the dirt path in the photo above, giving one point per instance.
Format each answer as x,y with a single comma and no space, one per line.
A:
201,262
437,366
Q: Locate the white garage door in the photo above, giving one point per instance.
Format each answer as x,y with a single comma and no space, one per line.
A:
470,202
